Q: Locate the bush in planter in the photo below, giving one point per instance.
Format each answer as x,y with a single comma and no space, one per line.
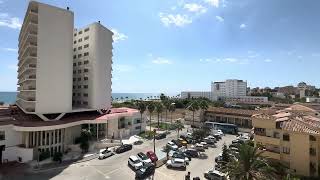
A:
44,155
57,156
84,145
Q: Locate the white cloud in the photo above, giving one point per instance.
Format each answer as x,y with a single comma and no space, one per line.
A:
230,60
13,67
219,18
10,49
117,36
267,60
243,26
177,19
160,60
11,22
123,68
214,3
193,7
206,60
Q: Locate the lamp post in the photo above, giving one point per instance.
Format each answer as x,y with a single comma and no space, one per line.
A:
154,142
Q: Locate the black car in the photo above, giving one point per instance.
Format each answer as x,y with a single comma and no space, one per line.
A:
192,153
145,171
177,142
124,148
181,155
161,136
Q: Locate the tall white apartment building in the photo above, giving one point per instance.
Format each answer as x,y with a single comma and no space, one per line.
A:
45,66
92,67
229,88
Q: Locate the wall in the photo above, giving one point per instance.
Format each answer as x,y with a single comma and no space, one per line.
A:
26,154
299,153
54,63
12,139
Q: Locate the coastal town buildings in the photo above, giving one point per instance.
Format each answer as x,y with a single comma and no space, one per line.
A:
64,78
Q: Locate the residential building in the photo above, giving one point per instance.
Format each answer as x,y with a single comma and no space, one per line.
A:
229,88
312,99
42,63
247,100
195,94
290,136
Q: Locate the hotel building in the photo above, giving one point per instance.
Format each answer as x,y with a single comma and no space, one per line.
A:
64,78
290,136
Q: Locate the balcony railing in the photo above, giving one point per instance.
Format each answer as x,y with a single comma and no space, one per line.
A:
23,61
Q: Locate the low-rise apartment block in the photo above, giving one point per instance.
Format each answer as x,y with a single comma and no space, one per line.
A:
290,136
195,94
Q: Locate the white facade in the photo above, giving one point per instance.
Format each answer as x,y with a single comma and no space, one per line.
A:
229,88
92,62
312,100
247,99
45,50
195,94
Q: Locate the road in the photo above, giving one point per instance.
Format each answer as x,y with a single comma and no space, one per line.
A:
116,167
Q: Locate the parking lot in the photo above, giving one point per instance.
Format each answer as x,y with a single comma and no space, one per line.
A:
116,167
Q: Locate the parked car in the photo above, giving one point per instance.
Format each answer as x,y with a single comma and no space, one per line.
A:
192,152
138,142
204,144
217,136
145,171
189,135
124,148
176,163
212,138
176,142
234,145
152,156
143,158
181,155
104,153
172,146
134,162
218,158
215,175
199,147
161,136
183,142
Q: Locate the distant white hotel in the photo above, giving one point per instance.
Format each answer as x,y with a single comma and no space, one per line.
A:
231,90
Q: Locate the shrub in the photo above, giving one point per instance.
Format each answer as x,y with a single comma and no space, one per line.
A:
57,156
84,145
44,155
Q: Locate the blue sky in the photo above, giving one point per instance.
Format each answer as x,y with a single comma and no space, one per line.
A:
175,45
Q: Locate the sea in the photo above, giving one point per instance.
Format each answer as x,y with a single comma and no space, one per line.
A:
10,97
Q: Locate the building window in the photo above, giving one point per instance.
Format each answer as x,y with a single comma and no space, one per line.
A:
86,46
79,87
86,70
73,87
73,94
75,34
86,62
312,138
74,64
86,30
79,71
79,79
78,102
85,86
85,95
313,151
286,137
74,42
74,79
79,94
286,150
2,136
85,102
74,49
80,47
86,38
80,32
80,40
85,78
79,63
137,127
74,71
79,55
74,56
86,54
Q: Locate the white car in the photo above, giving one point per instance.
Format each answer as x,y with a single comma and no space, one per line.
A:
198,147
172,145
215,175
143,158
176,163
135,162
211,138
189,135
204,144
220,132
104,153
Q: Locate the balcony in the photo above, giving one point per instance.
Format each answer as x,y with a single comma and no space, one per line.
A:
267,140
27,70
27,106
273,154
27,46
28,78
30,56
30,36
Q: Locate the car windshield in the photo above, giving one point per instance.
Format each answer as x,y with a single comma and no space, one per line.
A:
143,156
136,161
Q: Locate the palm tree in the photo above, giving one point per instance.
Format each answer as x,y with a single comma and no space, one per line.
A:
249,164
142,108
193,106
166,104
179,126
203,105
150,108
172,108
159,109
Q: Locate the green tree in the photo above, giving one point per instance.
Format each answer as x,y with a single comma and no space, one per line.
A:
167,104
203,105
193,106
142,108
166,149
249,164
199,133
162,97
150,108
172,108
159,110
84,140
178,126
225,155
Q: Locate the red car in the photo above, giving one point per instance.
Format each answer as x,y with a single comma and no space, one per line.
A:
152,156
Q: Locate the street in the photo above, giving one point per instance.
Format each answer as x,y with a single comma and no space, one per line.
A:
116,168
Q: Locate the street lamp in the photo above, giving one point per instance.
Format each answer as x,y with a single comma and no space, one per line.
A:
154,140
